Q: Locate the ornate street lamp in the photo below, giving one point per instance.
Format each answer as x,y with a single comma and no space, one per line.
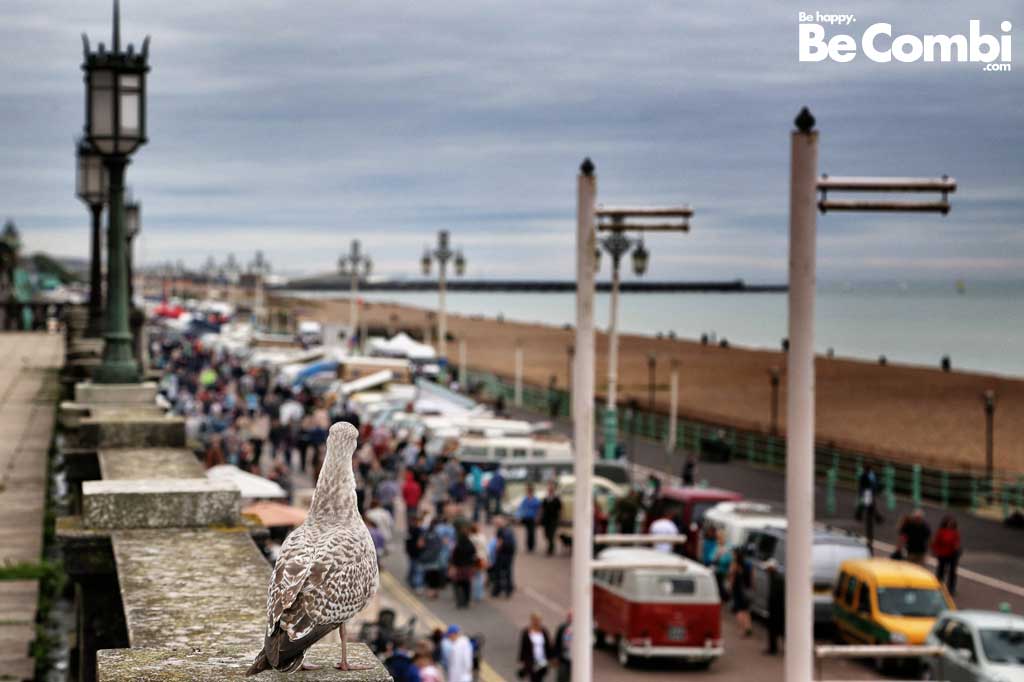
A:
354,265
92,188
443,253
115,126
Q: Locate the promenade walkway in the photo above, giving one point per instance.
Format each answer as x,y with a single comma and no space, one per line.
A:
28,384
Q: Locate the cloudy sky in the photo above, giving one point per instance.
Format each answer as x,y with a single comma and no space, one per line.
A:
294,127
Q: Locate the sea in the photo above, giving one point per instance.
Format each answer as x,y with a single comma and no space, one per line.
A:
979,325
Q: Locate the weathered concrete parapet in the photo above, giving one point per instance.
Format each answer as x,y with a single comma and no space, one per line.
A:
115,394
136,463
128,430
159,503
203,664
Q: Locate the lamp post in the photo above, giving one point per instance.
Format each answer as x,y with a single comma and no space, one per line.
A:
652,361
92,189
988,399
132,227
115,125
259,268
442,254
617,244
354,265
773,377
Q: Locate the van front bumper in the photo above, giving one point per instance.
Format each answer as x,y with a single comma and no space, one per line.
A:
692,653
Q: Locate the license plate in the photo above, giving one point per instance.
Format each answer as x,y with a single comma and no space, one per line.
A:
677,633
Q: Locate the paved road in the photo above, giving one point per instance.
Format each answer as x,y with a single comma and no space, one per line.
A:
990,568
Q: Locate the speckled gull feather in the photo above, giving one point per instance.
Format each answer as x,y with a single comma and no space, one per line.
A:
327,570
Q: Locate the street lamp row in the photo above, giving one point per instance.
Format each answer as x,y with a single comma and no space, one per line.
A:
115,127
442,254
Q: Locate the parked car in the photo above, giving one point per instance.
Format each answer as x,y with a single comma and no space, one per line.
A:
981,646
735,522
884,601
668,609
686,507
829,551
604,490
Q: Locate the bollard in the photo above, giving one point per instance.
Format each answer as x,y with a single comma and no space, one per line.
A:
889,476
611,433
945,490
915,485
830,491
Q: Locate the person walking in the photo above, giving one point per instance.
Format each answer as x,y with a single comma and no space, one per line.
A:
739,583
947,550
462,566
529,511
504,557
914,535
460,658
476,536
534,649
776,607
664,526
411,494
561,650
477,492
551,515
689,470
433,559
495,494
400,663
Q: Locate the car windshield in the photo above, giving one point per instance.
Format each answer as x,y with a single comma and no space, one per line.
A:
910,602
1003,646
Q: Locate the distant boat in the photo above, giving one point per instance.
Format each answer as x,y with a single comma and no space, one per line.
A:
961,287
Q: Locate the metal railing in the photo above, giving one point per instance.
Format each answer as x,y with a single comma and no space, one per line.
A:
836,465
836,651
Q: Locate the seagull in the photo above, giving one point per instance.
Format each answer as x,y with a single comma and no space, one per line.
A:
327,570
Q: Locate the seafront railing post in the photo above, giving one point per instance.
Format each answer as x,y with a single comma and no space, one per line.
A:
673,410
889,484
915,485
583,422
804,185
518,394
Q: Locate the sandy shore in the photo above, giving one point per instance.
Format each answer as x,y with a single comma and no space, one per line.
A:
902,412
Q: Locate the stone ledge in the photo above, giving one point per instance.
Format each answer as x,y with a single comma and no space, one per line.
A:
128,431
209,665
149,463
159,503
115,394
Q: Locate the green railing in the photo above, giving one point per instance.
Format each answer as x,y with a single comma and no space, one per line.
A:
834,465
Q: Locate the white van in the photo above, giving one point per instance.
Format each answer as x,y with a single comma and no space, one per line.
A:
513,450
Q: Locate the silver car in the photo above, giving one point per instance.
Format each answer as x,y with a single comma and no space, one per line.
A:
830,549
980,646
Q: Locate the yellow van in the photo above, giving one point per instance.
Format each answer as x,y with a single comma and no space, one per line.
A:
882,601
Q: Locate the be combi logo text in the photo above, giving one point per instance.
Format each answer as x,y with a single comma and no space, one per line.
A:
878,44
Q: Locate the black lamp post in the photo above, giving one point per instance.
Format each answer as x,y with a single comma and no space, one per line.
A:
92,189
988,399
652,362
773,374
115,125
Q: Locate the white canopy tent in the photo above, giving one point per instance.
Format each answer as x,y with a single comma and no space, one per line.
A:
401,345
253,487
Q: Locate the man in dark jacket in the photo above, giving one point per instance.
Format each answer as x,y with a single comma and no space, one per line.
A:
551,516
776,608
561,650
399,664
504,556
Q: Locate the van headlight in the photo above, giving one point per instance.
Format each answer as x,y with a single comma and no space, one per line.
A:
897,638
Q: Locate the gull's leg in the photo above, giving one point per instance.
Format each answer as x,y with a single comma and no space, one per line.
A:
343,665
